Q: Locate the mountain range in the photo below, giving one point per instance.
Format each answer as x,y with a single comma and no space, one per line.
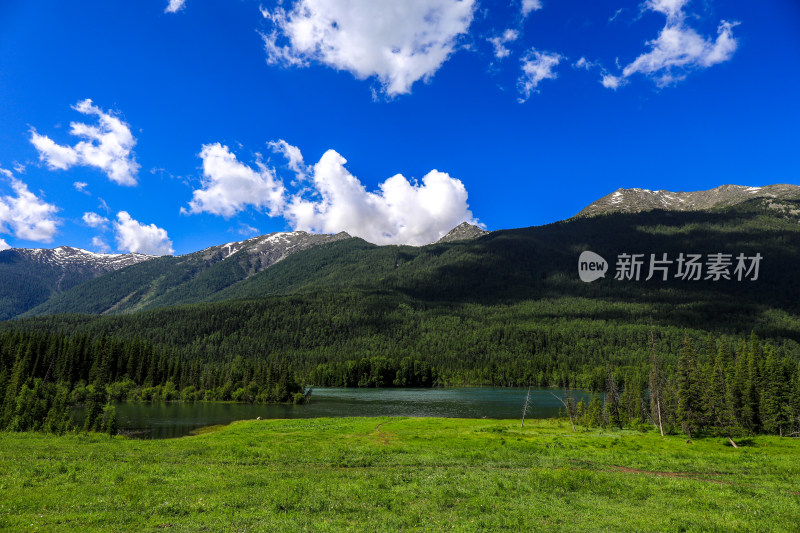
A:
468,265
638,200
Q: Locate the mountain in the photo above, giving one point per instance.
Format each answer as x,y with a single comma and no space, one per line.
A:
508,308
507,267
170,280
638,200
29,277
463,232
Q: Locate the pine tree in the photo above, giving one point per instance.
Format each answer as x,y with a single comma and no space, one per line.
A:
612,415
594,413
690,409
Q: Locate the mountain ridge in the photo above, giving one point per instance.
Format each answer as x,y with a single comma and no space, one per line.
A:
467,264
165,280
637,200
30,276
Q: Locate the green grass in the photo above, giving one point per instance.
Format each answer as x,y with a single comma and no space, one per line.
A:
398,474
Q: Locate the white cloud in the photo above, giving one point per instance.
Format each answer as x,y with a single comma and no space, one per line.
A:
80,186
585,64
610,81
230,186
292,155
100,245
26,215
500,50
536,66
133,236
56,156
93,220
670,8
616,14
399,213
174,6
107,146
530,5
398,43
19,168
7,173
247,230
4,245
678,49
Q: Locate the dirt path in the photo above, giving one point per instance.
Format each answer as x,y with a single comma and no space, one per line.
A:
696,476
690,475
382,436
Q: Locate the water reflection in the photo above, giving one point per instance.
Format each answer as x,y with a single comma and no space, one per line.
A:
176,419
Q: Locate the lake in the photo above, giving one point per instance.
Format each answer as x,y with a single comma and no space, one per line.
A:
177,419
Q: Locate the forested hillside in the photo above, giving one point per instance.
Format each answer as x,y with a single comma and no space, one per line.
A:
502,267
504,309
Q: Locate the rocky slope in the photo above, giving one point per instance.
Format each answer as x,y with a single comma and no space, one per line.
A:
29,277
182,279
638,200
463,232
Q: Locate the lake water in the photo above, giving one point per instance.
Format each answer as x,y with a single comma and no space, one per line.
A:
176,419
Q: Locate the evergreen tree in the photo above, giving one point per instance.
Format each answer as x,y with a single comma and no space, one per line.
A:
611,406
690,408
594,413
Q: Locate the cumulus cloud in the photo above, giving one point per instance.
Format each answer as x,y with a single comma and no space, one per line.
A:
536,66
26,215
107,146
398,43
293,156
529,6
133,236
670,8
4,245
246,230
174,6
230,186
610,81
678,49
499,42
93,220
400,212
100,245
330,199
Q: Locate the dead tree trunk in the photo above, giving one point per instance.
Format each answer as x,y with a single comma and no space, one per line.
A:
655,381
567,405
525,407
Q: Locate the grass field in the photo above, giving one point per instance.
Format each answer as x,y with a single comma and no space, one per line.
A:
398,474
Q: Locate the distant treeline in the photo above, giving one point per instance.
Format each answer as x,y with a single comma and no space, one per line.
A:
730,384
743,389
42,375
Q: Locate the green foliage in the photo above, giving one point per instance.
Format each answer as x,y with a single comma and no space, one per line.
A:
398,474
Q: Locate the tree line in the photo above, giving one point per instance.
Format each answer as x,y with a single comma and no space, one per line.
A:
729,385
43,375
719,389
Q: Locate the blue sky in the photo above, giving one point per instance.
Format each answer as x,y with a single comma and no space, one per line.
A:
165,126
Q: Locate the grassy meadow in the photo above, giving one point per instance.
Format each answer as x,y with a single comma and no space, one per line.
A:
398,474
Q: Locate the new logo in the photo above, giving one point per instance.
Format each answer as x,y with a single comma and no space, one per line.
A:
591,266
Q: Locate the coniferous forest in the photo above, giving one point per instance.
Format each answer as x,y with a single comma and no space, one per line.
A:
502,310
675,379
